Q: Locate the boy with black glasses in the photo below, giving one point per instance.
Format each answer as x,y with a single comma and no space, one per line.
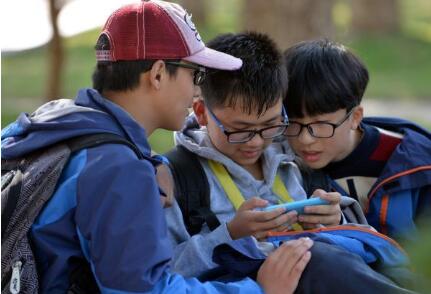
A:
231,132
384,163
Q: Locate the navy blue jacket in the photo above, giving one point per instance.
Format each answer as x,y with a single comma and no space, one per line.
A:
339,254
402,192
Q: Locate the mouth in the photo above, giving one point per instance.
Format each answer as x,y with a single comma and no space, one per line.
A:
311,156
251,153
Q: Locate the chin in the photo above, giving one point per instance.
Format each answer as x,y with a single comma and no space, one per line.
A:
175,125
245,162
316,164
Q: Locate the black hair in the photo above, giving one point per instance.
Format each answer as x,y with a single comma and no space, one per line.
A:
121,75
324,77
258,84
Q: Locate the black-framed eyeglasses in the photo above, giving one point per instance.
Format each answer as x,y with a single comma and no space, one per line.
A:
199,71
315,129
243,136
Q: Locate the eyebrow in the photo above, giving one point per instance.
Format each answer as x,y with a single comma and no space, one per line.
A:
313,121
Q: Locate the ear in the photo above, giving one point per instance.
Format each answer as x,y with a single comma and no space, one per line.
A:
200,111
357,116
157,74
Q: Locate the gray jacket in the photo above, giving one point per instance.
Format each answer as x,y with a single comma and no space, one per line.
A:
193,254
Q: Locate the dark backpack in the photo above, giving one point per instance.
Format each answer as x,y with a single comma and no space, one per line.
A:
193,194
27,183
192,190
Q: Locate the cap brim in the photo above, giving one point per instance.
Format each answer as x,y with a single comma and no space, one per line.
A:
215,59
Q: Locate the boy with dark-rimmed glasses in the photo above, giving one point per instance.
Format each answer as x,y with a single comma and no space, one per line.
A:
232,128
384,163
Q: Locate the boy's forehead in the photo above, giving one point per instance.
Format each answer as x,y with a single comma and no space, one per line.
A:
239,103
239,113
321,116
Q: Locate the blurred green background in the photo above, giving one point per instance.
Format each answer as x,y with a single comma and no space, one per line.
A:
399,58
397,52
419,253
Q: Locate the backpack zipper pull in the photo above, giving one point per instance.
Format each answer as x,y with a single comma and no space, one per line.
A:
15,281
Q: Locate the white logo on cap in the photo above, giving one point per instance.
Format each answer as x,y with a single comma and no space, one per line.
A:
189,22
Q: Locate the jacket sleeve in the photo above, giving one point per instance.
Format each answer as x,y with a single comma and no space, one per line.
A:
192,254
351,212
122,229
174,283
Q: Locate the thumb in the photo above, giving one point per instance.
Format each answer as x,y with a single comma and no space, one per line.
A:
253,203
332,197
318,193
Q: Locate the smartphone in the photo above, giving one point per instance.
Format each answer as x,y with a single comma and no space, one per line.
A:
298,205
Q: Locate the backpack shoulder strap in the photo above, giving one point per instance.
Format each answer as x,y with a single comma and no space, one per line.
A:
191,189
12,180
92,140
81,278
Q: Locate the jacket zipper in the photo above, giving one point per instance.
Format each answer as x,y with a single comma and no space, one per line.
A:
15,281
391,178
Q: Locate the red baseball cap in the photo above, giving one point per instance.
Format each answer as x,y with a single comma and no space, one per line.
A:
159,30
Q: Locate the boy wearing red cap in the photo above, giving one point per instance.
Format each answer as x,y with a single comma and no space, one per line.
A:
106,209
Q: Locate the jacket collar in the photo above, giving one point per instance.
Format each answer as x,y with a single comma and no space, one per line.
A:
131,128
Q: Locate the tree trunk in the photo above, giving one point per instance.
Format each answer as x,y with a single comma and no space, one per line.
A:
290,21
55,54
375,16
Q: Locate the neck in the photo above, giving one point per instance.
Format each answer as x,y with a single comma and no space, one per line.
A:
357,137
255,170
359,133
138,105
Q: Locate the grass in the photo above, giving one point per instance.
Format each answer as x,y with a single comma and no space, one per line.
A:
399,66
24,73
419,254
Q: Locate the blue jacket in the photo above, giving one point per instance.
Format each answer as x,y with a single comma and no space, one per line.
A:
240,257
402,193
106,207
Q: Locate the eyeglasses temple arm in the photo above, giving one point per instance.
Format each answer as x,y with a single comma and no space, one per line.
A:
284,114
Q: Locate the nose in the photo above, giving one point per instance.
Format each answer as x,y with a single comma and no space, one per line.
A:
256,141
305,137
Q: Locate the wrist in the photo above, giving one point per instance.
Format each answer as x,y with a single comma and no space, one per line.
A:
230,230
